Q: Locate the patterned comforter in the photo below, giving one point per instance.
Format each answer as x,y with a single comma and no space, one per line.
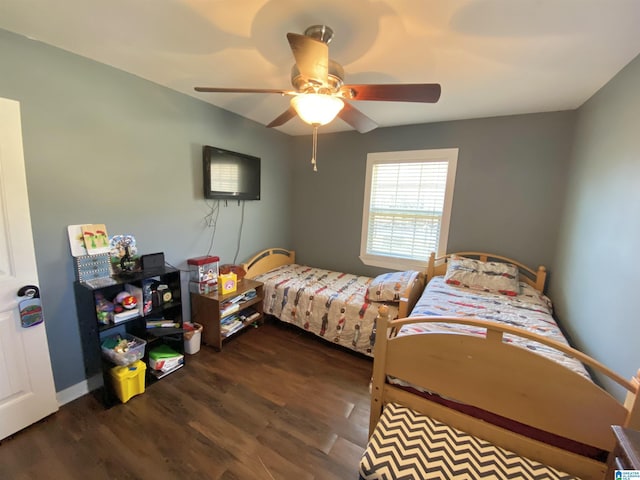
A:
332,305
530,311
406,444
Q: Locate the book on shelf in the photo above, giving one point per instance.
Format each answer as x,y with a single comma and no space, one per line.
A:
158,374
124,315
228,319
232,323
162,323
248,315
232,328
243,297
229,309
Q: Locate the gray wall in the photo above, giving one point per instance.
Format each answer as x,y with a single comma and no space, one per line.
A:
509,184
596,272
103,146
107,147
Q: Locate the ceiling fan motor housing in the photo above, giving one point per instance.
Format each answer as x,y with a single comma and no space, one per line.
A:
335,80
317,78
322,33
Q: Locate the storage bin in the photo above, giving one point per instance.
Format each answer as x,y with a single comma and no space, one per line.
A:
128,381
203,269
165,358
133,348
202,288
192,337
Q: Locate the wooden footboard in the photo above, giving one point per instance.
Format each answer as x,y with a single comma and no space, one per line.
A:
411,295
507,380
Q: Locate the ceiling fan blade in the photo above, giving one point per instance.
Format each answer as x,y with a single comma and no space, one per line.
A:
283,118
243,90
356,118
312,57
402,92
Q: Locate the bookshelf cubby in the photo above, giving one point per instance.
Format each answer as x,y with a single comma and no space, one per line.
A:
92,332
211,311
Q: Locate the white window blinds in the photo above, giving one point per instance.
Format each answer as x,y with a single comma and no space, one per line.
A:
407,206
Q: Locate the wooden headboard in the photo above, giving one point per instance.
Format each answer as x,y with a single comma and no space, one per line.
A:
267,260
536,278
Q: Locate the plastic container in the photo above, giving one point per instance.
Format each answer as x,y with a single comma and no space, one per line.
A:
133,349
203,269
192,337
128,381
165,359
202,288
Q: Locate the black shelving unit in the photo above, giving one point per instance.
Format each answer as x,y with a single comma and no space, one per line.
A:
92,333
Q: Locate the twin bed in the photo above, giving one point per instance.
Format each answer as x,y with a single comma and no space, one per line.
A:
341,308
472,377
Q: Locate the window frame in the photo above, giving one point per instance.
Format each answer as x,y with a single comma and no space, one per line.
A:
450,155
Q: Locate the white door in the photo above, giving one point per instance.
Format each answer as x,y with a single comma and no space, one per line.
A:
27,391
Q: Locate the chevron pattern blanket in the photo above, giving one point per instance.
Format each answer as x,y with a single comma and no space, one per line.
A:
406,445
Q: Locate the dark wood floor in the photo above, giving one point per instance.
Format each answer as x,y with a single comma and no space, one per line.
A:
275,404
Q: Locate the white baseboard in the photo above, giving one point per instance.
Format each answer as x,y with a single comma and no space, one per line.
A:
78,390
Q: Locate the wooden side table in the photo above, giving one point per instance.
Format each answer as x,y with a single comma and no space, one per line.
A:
207,310
626,455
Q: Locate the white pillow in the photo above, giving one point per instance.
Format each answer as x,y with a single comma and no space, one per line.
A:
494,277
388,287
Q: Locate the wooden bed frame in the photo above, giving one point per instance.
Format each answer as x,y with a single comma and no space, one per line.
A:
504,379
267,260
271,258
536,278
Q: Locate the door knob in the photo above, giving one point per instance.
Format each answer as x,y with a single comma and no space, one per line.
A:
30,291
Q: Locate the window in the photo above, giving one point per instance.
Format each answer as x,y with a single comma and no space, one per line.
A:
225,177
407,206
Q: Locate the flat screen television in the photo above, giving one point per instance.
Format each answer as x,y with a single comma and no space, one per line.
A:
230,175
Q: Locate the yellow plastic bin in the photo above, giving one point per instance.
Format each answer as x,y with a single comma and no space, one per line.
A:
128,380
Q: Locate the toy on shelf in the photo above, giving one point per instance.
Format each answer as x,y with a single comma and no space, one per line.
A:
123,254
104,310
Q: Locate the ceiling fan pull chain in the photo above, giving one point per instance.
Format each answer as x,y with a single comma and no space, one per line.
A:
314,150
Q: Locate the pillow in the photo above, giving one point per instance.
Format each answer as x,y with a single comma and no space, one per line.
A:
494,277
388,287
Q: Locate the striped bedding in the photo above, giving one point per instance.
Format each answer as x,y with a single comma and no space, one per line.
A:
332,305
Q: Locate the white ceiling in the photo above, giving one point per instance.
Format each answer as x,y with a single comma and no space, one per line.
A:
492,57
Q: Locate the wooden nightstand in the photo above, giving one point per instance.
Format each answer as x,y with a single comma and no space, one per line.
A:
209,311
626,455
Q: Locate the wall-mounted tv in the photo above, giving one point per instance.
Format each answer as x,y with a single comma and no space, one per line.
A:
230,175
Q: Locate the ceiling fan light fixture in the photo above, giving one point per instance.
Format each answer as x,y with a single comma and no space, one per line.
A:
317,108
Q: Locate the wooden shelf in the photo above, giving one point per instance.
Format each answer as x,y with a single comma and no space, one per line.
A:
207,311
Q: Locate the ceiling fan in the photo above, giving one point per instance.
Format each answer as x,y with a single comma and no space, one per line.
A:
319,93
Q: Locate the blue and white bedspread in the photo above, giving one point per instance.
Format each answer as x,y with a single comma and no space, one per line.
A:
530,310
332,305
